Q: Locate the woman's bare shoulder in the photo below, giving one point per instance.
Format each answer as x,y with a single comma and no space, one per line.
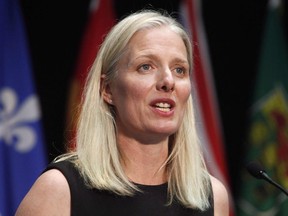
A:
49,195
221,199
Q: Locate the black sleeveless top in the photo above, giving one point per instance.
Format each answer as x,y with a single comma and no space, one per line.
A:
92,202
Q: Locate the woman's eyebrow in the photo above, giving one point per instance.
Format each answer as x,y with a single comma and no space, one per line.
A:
147,56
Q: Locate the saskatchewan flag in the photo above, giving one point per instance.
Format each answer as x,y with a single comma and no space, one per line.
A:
267,140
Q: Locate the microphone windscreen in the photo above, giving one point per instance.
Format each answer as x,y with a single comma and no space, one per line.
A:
255,169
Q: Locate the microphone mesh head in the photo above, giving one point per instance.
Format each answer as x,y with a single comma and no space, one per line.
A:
255,169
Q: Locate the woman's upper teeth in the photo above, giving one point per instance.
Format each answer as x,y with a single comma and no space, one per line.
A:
164,105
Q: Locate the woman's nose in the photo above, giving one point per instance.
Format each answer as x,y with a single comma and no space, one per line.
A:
166,81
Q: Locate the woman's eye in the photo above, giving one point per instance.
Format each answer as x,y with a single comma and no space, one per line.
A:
180,70
145,67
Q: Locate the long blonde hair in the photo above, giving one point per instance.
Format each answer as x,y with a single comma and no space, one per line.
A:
97,154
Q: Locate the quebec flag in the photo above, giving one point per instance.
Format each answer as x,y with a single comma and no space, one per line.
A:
22,153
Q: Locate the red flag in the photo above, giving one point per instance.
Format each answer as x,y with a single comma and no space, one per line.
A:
206,104
102,18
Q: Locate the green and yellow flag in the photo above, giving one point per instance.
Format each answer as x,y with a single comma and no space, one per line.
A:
268,131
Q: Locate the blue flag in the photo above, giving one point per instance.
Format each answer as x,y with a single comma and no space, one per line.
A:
22,153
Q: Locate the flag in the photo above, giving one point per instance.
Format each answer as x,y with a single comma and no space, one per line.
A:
21,141
101,19
267,140
203,91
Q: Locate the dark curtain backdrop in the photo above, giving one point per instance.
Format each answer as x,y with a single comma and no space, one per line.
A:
233,31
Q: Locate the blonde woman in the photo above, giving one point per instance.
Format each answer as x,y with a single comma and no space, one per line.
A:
137,148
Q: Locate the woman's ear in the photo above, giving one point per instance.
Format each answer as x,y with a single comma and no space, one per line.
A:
106,90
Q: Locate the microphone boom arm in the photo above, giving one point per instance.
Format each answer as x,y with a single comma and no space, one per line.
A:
267,178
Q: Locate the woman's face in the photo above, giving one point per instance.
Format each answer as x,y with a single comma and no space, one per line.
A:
152,86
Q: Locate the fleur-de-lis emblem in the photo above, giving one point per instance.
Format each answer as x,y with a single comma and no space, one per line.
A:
15,118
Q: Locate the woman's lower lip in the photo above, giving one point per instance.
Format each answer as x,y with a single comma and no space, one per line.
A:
163,112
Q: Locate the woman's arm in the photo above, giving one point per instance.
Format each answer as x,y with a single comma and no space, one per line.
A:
50,195
221,200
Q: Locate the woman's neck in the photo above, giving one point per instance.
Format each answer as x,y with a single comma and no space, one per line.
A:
143,163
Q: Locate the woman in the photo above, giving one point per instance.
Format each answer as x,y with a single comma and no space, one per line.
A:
137,148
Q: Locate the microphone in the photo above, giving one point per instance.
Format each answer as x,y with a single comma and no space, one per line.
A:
256,170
